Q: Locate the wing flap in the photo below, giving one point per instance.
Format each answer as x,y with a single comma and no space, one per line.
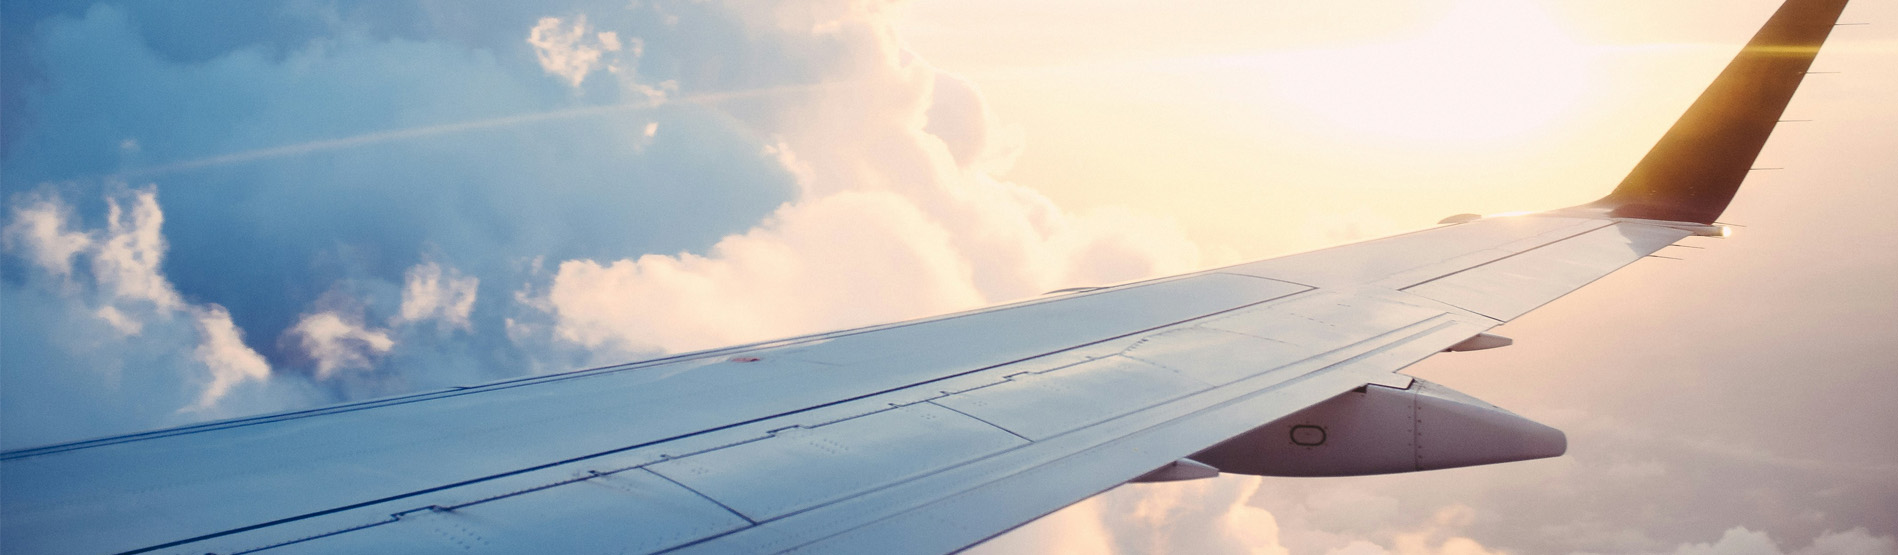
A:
799,468
634,511
952,509
1038,406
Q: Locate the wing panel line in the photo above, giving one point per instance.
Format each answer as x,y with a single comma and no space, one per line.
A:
589,372
699,432
1604,225
1236,392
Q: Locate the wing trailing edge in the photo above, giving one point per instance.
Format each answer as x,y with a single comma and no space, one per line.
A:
1692,174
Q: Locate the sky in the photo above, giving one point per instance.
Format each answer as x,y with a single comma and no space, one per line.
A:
307,202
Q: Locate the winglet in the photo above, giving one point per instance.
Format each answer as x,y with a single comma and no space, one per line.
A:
1693,172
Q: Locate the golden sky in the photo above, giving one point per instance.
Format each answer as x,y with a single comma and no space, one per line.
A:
1273,127
530,188
1728,403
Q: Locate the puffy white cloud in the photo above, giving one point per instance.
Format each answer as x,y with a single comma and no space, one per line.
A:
1736,541
1223,515
125,325
430,292
1740,540
1857,541
113,276
127,261
843,260
1076,530
37,229
573,50
900,215
1437,537
224,353
1203,516
337,341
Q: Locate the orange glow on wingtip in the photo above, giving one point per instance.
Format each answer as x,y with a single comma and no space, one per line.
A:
1784,49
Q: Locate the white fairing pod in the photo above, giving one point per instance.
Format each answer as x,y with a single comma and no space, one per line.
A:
1383,430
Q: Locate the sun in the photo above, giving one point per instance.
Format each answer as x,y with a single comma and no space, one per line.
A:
1486,70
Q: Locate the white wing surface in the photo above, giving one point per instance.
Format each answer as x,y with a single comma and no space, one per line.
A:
925,436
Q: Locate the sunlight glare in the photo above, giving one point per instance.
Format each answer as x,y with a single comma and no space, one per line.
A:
1489,69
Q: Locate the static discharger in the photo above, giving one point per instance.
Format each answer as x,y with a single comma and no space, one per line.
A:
1480,342
1721,231
1700,230
1179,471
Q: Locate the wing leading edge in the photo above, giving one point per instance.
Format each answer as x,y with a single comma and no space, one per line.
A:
924,436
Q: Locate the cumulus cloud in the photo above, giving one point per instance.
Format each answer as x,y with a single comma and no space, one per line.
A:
125,257
1560,508
1740,540
573,50
224,353
1203,516
37,230
127,260
810,268
1437,537
900,215
100,310
430,292
1076,530
810,174
338,341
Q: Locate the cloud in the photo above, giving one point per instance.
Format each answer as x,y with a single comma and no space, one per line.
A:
898,202
1857,541
810,174
1076,530
94,322
1437,537
571,51
429,292
126,262
1202,516
224,353
1740,540
38,228
808,269
333,179
340,156
339,342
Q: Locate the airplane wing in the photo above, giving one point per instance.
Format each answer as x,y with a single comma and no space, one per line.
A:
931,435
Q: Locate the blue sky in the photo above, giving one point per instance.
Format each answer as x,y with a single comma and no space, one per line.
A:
321,201
215,209
110,95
